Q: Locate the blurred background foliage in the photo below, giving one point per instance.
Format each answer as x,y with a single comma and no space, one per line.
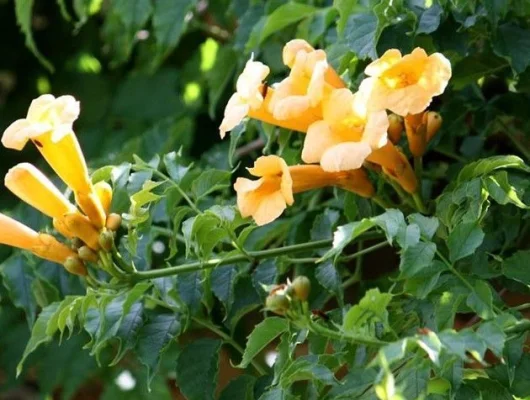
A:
153,76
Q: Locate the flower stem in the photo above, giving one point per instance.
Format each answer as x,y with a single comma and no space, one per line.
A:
418,202
381,202
179,189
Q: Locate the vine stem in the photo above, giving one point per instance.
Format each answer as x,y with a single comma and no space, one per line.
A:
217,262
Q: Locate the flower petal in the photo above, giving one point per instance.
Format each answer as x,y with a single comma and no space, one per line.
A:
270,208
375,130
40,106
236,110
319,138
291,49
338,106
268,165
379,66
345,156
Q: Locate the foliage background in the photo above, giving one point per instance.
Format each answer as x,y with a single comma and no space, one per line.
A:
153,77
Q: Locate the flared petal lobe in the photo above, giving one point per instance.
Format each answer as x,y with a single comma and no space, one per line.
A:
406,85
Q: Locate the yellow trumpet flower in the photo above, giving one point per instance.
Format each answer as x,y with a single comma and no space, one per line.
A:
266,198
406,84
34,188
347,134
396,166
104,193
252,99
16,234
49,126
310,81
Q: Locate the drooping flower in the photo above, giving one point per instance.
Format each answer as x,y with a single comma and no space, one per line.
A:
347,134
266,198
311,79
49,126
406,84
16,234
252,98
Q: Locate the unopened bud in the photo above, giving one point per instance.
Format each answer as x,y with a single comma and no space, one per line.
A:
106,240
434,122
87,254
75,266
395,128
301,286
277,303
113,222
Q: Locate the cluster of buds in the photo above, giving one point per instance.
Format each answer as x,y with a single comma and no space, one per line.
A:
288,298
344,130
89,225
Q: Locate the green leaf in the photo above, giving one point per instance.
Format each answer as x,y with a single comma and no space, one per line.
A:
323,225
471,69
345,234
428,225
174,168
306,368
345,9
500,189
197,368
210,181
361,34
372,307
241,388
218,79
488,165
481,300
40,333
84,9
264,333
169,22
284,16
464,240
24,15
496,10
416,259
133,13
430,19
392,222
17,277
127,333
154,339
329,278
493,335
223,280
516,267
513,43
190,290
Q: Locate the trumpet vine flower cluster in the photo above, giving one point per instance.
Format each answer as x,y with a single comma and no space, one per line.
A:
48,125
344,131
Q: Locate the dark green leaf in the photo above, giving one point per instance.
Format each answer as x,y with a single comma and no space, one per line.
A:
241,387
361,34
17,277
481,300
264,333
190,290
430,19
513,43
285,15
416,258
210,181
464,240
197,368
516,267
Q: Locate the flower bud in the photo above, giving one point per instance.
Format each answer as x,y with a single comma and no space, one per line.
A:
433,122
395,127
87,254
113,222
277,303
106,240
75,266
301,286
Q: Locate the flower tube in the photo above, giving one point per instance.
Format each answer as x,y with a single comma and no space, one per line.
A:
16,234
265,199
